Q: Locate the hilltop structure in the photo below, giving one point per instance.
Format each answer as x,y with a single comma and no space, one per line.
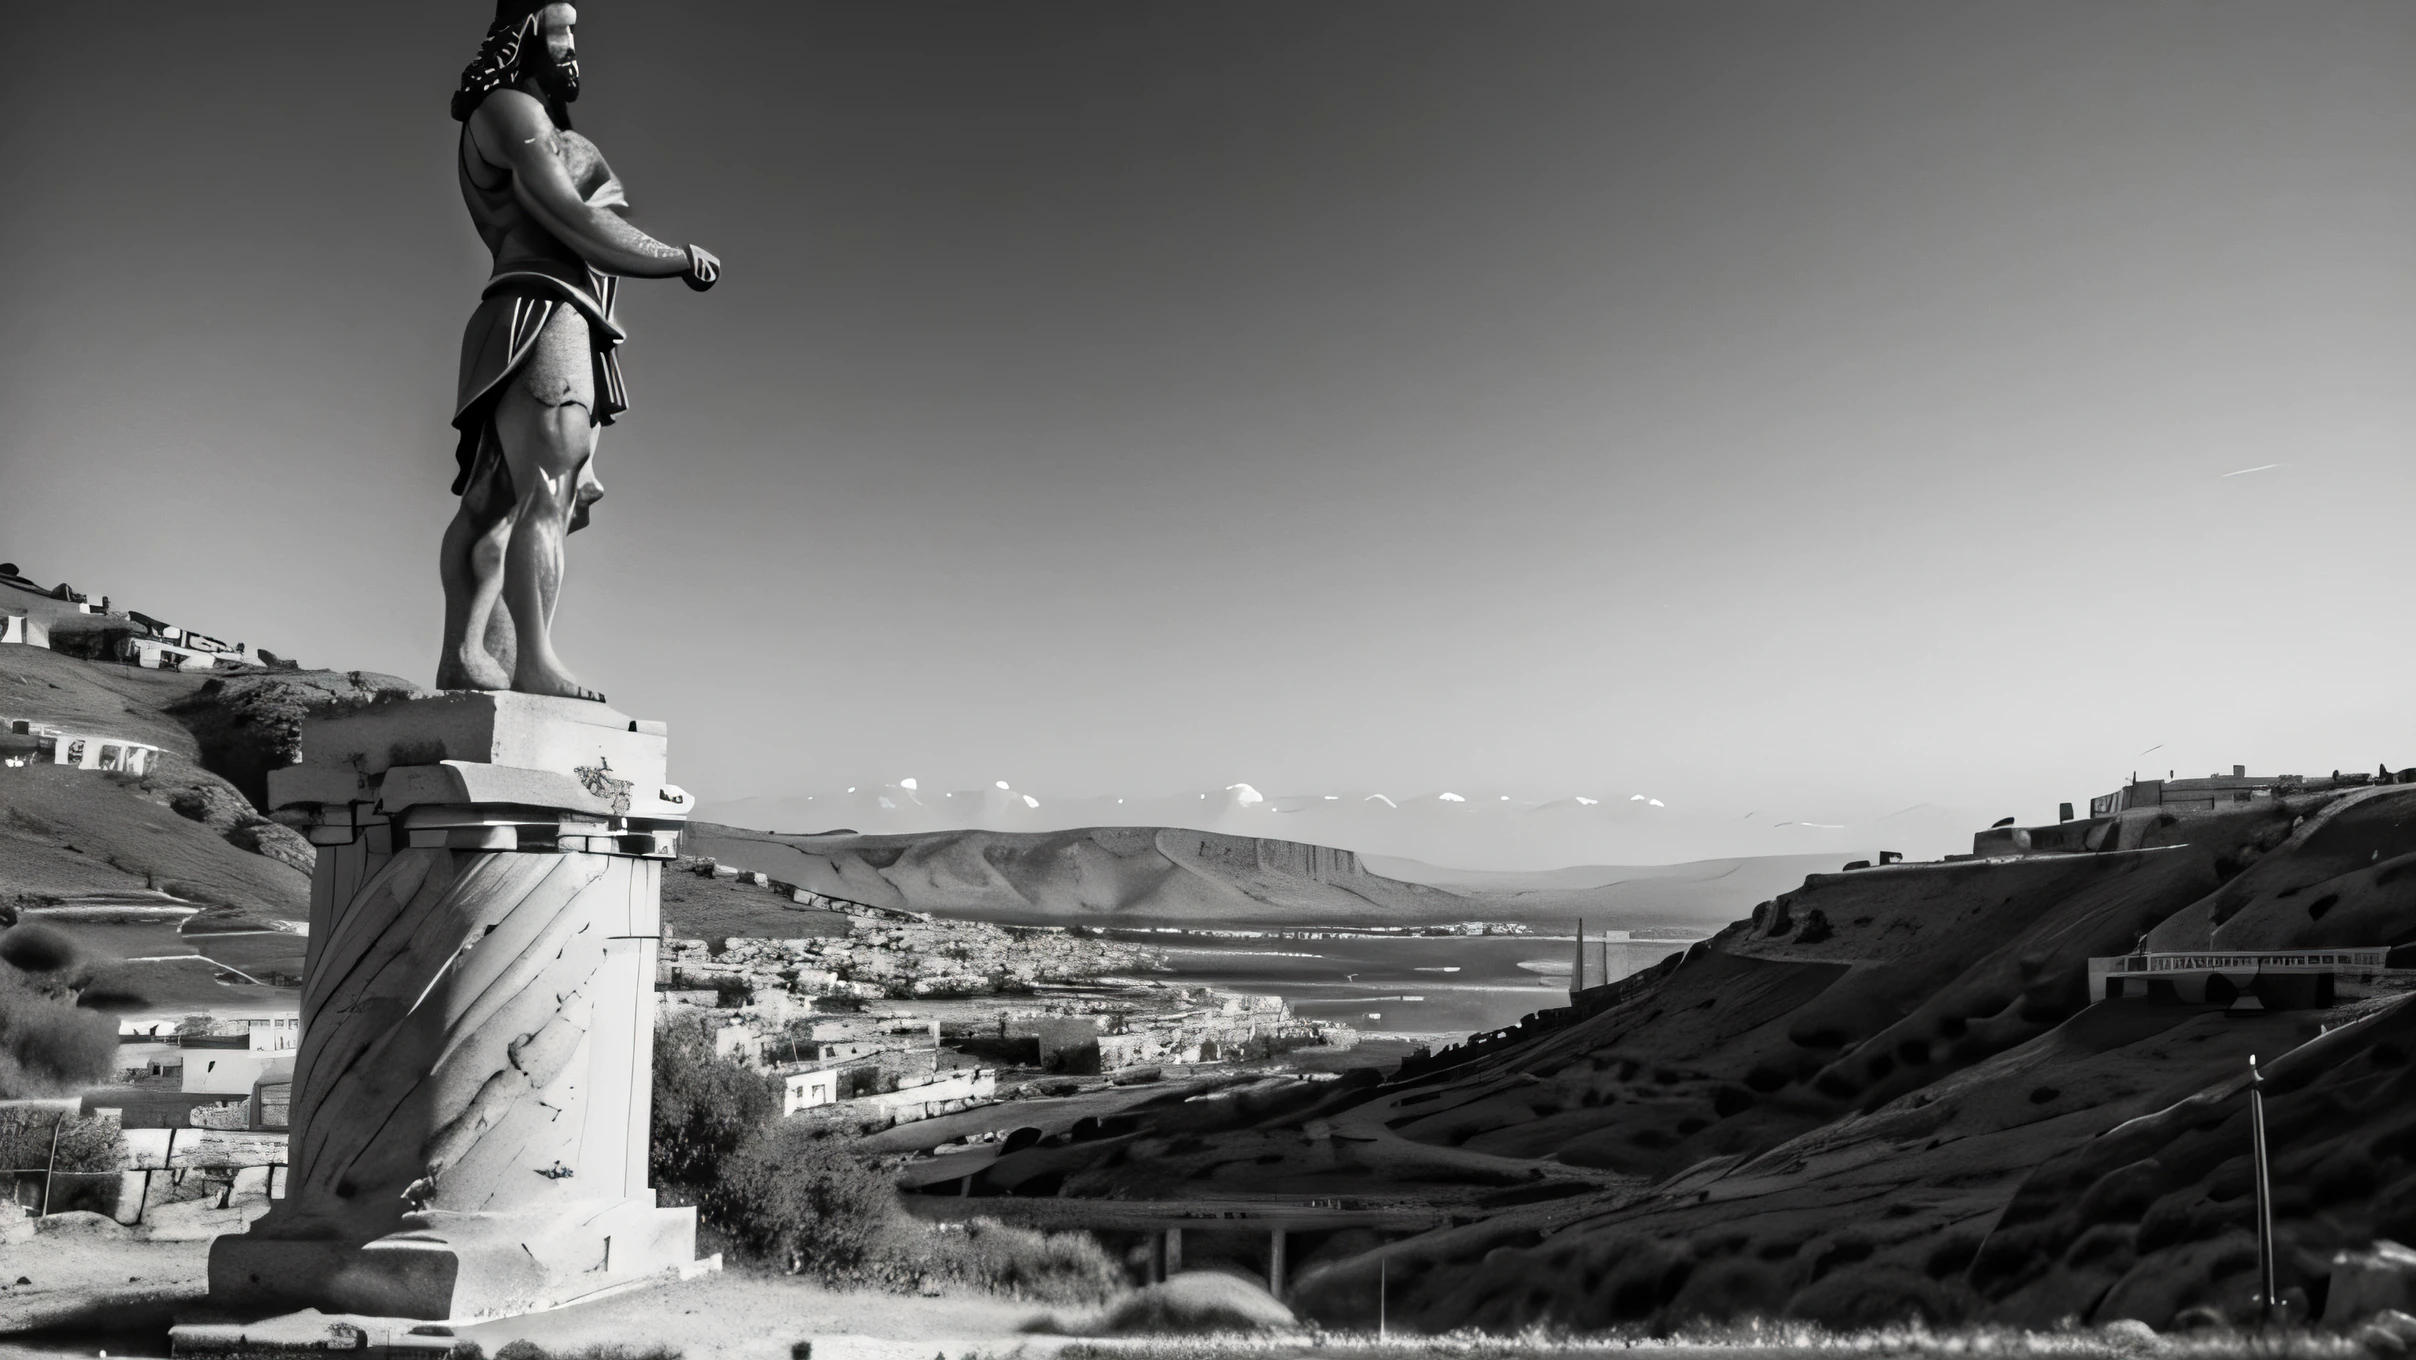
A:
65,619
2121,820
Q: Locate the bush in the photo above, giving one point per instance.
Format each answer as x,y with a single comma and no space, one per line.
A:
705,1106
48,1044
1068,1267
85,1143
525,1349
89,1154
799,1195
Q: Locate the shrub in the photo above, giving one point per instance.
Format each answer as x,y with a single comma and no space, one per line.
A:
799,1195
525,1349
48,1044
705,1106
1068,1267
89,1154
84,1143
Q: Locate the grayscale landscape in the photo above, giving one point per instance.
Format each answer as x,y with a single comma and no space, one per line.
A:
1341,681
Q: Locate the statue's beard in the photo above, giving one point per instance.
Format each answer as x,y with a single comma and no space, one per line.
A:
560,80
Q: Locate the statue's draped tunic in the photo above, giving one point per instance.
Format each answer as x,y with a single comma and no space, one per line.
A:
518,300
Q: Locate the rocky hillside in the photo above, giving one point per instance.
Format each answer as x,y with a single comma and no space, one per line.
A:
1885,1094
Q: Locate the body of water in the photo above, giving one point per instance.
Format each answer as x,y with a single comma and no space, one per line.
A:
1417,984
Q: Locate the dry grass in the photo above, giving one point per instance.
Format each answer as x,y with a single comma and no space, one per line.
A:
1760,1341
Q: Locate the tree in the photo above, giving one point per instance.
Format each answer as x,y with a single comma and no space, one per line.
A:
705,1106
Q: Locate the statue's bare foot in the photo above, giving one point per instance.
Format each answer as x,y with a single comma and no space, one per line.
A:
553,680
471,668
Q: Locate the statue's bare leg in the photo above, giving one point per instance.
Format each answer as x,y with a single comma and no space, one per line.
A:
471,564
544,419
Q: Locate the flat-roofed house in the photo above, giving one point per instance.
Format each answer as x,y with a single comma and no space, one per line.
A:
808,1089
274,1033
90,751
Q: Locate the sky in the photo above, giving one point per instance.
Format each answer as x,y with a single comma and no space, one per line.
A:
1818,408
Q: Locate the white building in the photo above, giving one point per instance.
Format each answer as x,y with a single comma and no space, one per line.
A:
231,1071
935,1094
274,1033
807,1089
84,750
28,613
160,654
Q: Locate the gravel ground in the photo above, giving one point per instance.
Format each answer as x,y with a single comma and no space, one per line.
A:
739,1315
97,1294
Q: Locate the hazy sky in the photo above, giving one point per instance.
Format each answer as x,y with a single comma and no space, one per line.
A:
1736,401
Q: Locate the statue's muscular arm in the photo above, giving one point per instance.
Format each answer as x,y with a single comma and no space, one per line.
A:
511,131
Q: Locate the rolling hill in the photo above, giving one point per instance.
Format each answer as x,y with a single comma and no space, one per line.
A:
179,893
1883,1095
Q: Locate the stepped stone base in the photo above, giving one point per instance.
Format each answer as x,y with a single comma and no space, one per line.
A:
461,1267
472,1093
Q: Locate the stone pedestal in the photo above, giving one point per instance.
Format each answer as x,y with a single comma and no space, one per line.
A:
472,1096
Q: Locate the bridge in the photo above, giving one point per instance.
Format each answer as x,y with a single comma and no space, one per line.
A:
1167,1220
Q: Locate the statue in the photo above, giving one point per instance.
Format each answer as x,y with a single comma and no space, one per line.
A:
474,1086
539,371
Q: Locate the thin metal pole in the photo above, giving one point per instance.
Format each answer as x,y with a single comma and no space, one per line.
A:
2256,1134
1577,978
1383,1266
51,1168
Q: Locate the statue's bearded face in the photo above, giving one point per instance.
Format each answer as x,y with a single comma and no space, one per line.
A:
559,71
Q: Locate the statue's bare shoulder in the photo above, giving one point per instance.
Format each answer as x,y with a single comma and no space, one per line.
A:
513,132
511,129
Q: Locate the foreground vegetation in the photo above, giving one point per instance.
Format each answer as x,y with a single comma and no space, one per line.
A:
799,1194
1755,1340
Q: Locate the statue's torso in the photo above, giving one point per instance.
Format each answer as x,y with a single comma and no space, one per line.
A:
514,237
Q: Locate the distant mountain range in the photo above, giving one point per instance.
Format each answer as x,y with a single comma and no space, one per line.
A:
1470,828
1165,875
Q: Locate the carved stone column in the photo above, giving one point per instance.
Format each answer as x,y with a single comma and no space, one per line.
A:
472,1096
